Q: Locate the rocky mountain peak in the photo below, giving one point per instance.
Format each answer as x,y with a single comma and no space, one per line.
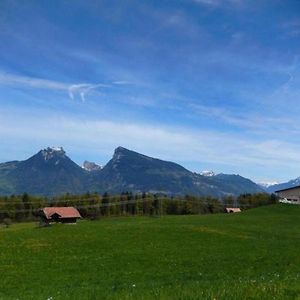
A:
120,152
207,173
91,166
52,152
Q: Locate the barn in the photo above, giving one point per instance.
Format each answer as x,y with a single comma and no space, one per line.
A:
67,215
291,195
233,209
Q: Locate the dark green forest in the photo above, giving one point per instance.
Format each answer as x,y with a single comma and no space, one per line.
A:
19,208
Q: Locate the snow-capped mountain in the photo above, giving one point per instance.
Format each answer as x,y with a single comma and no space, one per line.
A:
267,184
132,171
51,152
48,172
91,166
284,185
207,173
51,172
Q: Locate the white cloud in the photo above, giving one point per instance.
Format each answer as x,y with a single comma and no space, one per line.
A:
16,80
81,89
233,153
122,82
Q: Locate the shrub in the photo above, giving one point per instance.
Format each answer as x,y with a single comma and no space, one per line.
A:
7,222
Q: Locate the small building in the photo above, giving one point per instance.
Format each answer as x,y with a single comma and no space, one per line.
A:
289,195
232,210
67,215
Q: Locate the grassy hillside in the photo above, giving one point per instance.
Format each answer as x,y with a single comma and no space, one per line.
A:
252,255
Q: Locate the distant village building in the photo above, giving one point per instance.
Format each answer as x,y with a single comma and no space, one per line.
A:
232,209
290,195
67,215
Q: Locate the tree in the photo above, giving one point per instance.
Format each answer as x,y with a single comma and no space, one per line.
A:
26,203
105,204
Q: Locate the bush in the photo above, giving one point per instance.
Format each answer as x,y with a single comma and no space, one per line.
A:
7,222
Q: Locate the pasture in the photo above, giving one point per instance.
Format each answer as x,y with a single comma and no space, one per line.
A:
251,255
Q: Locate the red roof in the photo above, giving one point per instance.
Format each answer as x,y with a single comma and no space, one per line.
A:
63,212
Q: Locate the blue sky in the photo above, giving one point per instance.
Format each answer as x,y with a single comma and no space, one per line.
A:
209,84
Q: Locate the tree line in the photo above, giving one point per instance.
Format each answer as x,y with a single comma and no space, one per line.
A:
17,208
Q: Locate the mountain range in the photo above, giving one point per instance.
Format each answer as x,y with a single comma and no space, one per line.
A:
51,172
280,186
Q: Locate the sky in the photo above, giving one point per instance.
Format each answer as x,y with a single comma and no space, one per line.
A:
209,84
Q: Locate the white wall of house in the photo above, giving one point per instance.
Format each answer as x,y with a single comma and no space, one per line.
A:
291,195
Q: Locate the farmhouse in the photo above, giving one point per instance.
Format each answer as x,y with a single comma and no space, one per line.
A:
233,209
59,215
291,195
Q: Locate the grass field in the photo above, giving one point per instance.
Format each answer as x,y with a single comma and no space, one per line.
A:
252,255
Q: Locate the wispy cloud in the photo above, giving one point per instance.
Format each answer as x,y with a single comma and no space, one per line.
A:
122,82
16,80
207,2
73,90
219,2
256,122
83,89
237,153
291,28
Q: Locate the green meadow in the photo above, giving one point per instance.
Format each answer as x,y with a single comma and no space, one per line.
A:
251,255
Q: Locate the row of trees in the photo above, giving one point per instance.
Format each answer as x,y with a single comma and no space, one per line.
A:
25,207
